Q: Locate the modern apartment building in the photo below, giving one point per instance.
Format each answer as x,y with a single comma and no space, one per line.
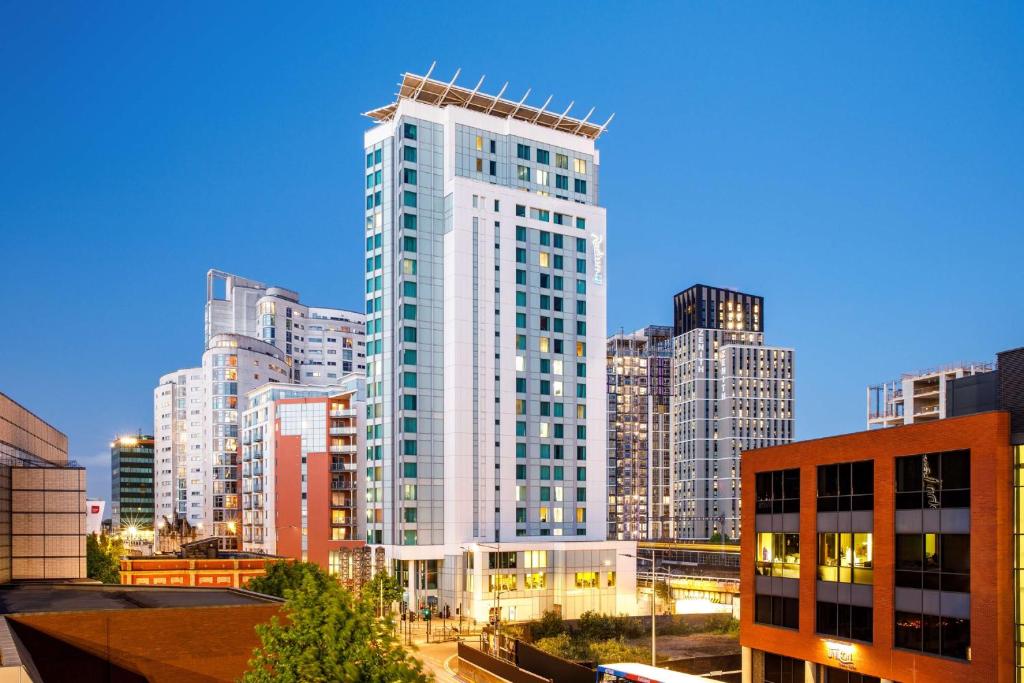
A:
885,555
639,434
730,393
131,481
916,396
486,394
254,334
42,500
302,475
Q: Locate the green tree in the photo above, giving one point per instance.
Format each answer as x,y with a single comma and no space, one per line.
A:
382,588
617,650
284,576
329,634
103,558
550,624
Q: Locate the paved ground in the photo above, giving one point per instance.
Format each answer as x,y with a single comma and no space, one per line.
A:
439,660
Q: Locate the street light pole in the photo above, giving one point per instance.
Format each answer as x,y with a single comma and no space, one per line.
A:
654,600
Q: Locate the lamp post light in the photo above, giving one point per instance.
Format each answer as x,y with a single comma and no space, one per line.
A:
654,601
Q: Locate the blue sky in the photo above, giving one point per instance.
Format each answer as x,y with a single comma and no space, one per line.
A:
861,165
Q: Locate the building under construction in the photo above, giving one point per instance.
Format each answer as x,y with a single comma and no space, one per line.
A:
639,453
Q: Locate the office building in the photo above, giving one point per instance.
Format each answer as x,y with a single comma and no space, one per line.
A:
486,382
639,435
731,393
302,475
885,555
131,482
916,396
42,500
254,334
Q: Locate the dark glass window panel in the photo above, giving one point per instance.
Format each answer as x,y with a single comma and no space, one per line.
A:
826,618
863,477
790,612
908,630
844,479
908,473
955,470
791,484
908,579
827,504
955,499
863,502
861,626
763,609
828,480
777,485
957,583
956,637
909,501
931,640
909,552
955,553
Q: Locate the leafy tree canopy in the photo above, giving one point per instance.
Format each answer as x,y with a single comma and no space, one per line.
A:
103,558
328,634
285,576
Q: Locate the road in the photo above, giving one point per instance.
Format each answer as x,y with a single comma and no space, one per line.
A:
439,660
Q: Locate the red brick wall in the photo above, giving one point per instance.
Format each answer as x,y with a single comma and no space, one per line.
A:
992,642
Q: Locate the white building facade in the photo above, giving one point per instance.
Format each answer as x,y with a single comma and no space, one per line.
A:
486,396
254,334
730,393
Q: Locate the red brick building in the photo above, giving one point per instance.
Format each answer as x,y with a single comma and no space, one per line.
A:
881,555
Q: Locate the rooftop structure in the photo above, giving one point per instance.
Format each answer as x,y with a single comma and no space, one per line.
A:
442,94
917,396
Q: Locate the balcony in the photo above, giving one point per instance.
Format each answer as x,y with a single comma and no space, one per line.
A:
343,431
343,467
346,412
343,448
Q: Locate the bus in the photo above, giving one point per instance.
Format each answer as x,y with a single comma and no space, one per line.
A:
643,673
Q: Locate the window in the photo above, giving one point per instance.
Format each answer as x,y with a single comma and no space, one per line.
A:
580,186
409,470
844,621
523,173
778,492
409,243
833,675
501,582
778,554
543,156
775,610
409,334
541,177
409,198
561,182
409,176
479,143
586,579
409,154
934,481
580,166
523,152
940,562
492,168
410,131
846,486
520,233
845,557
535,581
409,289
945,636
561,160
782,669
409,221
581,222
521,210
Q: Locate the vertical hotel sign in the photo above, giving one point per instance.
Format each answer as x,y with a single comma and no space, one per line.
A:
598,242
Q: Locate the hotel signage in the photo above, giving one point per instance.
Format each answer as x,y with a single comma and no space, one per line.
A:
598,241
840,653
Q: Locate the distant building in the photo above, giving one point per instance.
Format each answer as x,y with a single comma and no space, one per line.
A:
200,564
730,393
131,482
917,396
639,437
42,500
254,334
303,470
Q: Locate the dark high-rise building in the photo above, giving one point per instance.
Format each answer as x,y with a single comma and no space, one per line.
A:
131,481
639,443
714,308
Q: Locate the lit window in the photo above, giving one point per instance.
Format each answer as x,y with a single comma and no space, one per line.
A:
580,165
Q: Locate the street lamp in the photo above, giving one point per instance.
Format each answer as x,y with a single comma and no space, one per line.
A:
654,600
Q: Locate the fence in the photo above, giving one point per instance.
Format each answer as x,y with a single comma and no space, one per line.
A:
483,668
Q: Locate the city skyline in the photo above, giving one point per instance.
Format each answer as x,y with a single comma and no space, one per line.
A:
145,198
